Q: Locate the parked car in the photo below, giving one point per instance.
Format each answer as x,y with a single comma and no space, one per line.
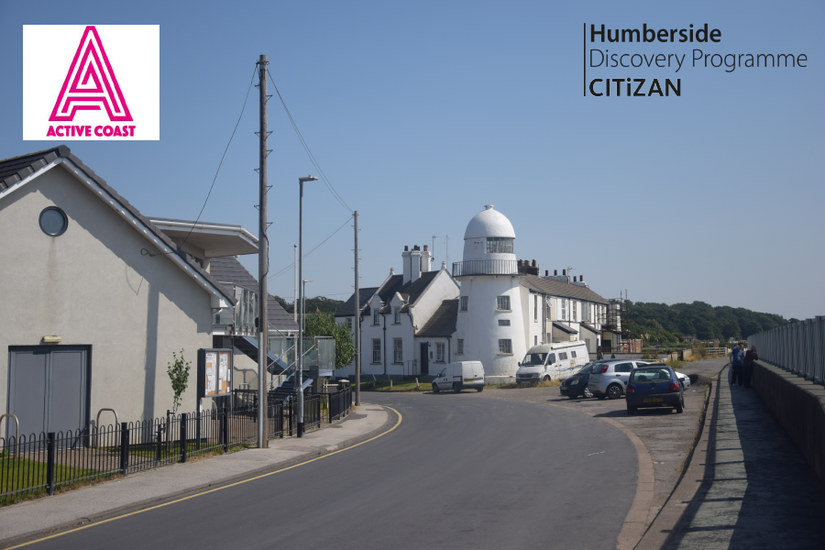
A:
576,385
611,378
459,376
547,362
654,385
684,379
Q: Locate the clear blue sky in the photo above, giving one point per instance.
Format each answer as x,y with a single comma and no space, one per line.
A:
420,113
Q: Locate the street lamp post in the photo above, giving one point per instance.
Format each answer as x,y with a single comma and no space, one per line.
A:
301,182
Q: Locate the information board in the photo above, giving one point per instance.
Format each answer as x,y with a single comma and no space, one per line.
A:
214,372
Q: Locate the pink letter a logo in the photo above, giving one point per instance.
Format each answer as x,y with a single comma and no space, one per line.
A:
90,82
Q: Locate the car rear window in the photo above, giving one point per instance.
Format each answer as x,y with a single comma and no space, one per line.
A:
641,376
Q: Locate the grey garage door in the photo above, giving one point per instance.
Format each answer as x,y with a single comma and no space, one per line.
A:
49,388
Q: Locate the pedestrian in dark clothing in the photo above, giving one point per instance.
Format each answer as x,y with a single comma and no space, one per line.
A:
737,357
747,365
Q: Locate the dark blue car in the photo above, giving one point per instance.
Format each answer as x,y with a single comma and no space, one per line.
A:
654,386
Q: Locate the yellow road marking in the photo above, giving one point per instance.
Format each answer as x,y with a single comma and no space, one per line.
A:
76,529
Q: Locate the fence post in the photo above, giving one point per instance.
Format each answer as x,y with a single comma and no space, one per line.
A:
50,451
183,449
159,443
124,447
225,429
198,432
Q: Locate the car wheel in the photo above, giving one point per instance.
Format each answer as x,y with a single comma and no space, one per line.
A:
614,391
435,388
456,387
586,392
680,406
481,389
631,410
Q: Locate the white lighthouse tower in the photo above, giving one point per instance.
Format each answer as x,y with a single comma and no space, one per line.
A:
489,325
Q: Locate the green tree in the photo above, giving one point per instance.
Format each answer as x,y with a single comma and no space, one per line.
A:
178,372
323,324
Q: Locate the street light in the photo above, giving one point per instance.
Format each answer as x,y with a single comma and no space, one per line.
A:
301,182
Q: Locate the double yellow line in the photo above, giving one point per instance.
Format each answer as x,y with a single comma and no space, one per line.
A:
221,488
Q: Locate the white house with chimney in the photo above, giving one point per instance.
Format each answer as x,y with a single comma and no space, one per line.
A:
492,308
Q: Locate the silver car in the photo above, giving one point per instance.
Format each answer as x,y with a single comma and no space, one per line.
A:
610,379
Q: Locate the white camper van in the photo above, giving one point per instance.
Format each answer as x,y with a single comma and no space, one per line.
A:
461,375
552,361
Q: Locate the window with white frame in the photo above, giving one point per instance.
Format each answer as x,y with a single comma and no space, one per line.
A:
462,303
575,309
460,346
563,310
503,303
505,346
349,324
586,312
397,315
397,350
439,352
376,350
375,315
535,307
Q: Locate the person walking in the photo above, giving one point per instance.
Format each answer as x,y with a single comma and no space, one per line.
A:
737,357
747,365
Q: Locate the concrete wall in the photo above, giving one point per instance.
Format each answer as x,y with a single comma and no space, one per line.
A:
799,406
93,286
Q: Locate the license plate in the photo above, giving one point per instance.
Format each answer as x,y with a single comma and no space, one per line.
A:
653,400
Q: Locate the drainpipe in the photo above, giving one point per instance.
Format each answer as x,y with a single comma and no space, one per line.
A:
384,346
450,349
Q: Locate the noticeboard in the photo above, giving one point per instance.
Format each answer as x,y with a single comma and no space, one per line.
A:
214,372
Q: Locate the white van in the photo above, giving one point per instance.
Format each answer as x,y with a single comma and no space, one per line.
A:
459,376
552,361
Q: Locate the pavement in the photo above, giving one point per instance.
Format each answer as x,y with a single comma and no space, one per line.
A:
745,484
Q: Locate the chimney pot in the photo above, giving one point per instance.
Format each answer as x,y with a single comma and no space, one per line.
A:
575,279
406,248
534,263
581,278
426,247
555,273
564,273
546,272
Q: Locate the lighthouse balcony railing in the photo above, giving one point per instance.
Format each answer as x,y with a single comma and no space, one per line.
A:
485,267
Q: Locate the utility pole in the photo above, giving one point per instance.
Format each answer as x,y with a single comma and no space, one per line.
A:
357,306
263,259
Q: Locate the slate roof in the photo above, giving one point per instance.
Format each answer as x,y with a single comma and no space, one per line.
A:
410,292
443,321
15,170
229,270
559,288
364,296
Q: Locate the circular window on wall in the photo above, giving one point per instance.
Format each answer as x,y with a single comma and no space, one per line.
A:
53,221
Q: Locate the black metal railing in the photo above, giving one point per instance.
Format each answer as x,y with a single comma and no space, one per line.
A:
340,403
42,463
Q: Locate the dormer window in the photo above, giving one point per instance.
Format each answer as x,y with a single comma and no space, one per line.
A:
397,316
499,245
375,314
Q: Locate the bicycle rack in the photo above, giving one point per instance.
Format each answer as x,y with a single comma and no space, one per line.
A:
16,430
97,423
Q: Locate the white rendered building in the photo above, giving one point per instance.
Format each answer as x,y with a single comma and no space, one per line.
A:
492,309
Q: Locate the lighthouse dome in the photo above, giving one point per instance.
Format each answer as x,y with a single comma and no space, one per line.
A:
489,236
489,223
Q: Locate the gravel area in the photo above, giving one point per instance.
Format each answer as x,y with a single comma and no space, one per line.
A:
668,437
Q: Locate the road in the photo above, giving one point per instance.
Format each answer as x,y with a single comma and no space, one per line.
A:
460,471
